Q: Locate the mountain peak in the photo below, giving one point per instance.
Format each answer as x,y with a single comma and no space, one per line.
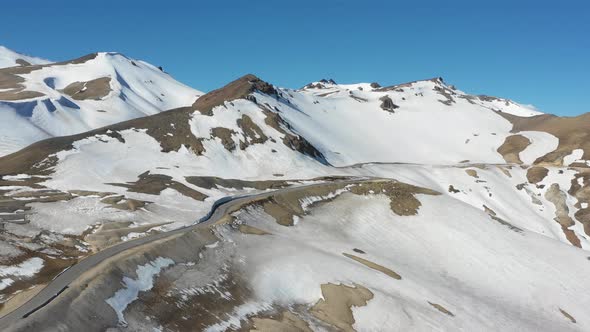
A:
321,84
240,88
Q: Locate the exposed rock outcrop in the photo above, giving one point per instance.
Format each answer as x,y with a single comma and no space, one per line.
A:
387,104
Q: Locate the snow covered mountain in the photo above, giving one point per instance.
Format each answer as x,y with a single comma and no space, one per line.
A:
363,123
409,207
10,58
57,99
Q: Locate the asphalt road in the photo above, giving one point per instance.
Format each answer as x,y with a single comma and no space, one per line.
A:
62,281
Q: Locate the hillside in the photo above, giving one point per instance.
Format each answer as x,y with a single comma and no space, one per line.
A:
409,207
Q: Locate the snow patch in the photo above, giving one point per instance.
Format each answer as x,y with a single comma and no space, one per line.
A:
25,269
573,157
144,282
541,144
5,282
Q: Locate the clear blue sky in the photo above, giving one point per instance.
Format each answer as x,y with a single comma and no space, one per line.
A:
535,52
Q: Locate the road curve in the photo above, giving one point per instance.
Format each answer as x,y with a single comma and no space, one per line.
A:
219,209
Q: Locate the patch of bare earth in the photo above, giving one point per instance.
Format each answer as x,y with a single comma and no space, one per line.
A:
95,89
582,193
247,229
501,221
441,309
22,62
225,135
210,182
568,316
286,322
374,266
512,147
252,134
238,89
472,173
536,174
283,213
558,198
453,190
401,195
153,184
336,306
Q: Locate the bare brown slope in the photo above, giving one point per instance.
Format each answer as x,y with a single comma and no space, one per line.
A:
35,159
573,133
512,147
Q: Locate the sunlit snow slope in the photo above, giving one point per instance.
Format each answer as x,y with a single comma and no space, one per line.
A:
58,99
419,122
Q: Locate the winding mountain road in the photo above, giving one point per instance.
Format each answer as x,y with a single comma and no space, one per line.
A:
219,209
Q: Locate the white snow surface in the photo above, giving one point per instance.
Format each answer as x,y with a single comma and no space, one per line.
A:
9,57
489,276
496,190
541,144
510,107
16,131
5,282
575,156
348,125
